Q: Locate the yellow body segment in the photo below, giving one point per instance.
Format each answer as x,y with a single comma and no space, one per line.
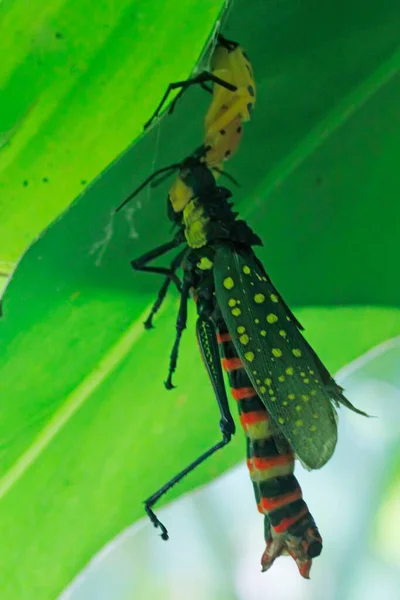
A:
228,109
195,222
179,195
233,67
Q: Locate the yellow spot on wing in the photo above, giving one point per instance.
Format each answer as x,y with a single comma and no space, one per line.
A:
271,318
281,378
274,298
281,420
256,321
241,329
263,389
291,396
313,428
263,332
268,381
305,397
297,352
228,283
285,403
236,312
249,356
306,380
299,407
290,370
277,352
246,270
299,423
232,302
244,339
259,298
282,333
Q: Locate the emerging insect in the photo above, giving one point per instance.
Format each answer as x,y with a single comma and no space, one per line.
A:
285,395
234,96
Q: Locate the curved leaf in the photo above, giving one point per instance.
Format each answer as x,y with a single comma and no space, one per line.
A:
87,430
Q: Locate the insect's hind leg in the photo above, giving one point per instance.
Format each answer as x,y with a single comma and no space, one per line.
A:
206,335
200,79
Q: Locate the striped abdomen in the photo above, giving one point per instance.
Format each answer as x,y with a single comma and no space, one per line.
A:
289,526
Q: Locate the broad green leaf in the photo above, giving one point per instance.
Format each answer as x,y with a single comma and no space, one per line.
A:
87,430
78,79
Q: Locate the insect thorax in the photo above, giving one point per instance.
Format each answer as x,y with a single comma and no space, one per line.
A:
211,218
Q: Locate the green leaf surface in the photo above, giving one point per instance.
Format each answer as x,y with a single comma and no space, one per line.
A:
78,79
87,430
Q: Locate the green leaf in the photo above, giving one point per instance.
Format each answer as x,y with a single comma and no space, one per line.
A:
87,430
78,79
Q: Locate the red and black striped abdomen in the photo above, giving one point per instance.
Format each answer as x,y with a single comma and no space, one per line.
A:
289,526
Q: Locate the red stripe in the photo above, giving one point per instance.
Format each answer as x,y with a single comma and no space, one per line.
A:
263,464
251,418
231,364
223,337
286,523
272,503
242,393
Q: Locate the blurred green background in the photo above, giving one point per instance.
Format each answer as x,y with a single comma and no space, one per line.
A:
86,428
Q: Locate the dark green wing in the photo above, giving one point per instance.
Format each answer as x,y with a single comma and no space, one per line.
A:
281,365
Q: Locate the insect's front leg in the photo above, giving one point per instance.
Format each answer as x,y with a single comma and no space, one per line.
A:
200,79
175,264
141,263
180,327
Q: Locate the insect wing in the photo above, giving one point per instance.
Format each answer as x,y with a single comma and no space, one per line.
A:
276,357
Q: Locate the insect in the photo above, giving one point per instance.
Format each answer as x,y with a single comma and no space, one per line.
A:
286,396
233,99
234,96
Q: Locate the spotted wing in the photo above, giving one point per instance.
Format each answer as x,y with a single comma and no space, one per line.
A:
281,365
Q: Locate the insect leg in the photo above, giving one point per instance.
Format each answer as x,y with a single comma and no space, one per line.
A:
209,349
140,264
163,290
200,79
206,336
180,326
150,502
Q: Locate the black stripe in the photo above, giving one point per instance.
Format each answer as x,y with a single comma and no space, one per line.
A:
286,512
250,405
228,350
302,525
278,486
